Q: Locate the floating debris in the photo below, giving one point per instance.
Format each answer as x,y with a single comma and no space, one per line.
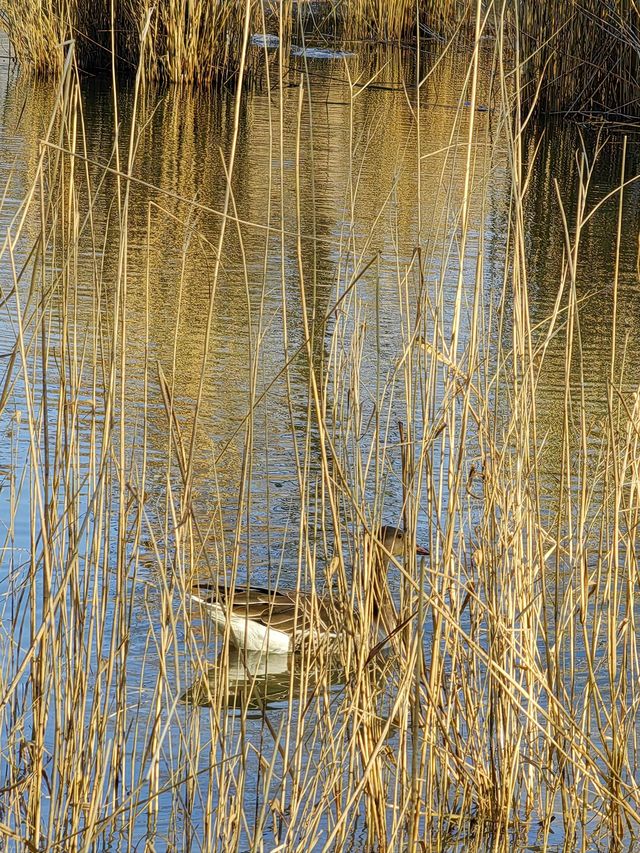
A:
267,40
319,52
272,42
481,108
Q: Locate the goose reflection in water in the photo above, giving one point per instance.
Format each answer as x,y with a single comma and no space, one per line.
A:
254,679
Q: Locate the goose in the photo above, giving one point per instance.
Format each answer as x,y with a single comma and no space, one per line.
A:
277,621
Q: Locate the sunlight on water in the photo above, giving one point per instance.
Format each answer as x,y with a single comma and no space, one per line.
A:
324,186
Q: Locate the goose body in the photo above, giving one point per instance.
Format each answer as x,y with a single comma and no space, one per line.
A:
265,620
277,621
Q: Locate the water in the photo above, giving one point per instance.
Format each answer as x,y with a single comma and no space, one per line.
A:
324,183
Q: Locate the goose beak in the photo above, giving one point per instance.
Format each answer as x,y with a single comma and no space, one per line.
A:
422,552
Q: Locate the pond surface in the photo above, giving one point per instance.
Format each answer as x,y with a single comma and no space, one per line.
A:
331,180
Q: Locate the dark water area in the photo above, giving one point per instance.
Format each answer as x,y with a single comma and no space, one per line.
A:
329,179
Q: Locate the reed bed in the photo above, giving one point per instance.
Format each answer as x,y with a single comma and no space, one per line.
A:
203,44
580,57
503,701
401,20
37,32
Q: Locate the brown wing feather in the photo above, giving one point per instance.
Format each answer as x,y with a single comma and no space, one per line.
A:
280,609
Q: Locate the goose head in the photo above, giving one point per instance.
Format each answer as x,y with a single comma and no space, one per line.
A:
394,540
389,542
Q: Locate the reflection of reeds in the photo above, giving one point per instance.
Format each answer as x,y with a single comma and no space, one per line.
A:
507,694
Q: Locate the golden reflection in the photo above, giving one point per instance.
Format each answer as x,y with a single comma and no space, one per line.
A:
559,159
332,188
340,189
